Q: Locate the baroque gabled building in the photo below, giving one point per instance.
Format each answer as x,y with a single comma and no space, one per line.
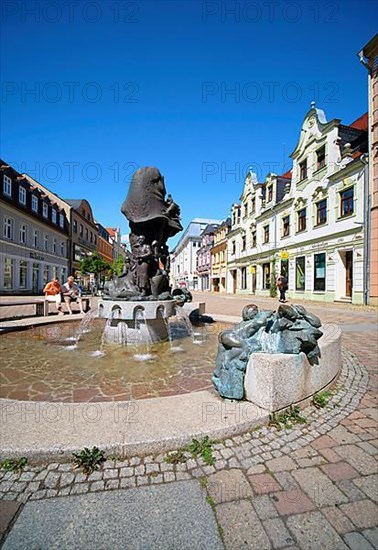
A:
307,224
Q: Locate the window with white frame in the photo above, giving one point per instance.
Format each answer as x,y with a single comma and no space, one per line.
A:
23,274
8,273
46,243
7,186
35,238
23,230
61,220
53,215
34,203
8,228
62,248
45,210
22,195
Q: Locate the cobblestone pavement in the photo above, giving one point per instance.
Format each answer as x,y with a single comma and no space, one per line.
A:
314,486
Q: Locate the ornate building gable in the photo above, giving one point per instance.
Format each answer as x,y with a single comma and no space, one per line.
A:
313,152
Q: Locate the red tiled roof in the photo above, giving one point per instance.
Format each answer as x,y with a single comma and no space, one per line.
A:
287,175
361,123
112,232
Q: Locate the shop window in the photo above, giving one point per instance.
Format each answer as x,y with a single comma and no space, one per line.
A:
319,272
23,275
243,278
8,273
266,276
300,273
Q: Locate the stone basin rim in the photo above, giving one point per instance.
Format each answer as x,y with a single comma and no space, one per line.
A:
124,440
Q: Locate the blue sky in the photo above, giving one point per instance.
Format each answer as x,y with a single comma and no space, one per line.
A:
202,90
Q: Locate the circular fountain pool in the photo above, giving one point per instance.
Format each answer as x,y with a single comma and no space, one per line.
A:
49,364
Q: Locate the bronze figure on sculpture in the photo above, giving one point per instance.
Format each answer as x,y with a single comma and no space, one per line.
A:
153,218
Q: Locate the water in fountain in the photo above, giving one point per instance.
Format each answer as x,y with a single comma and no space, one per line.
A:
83,329
142,337
100,352
183,319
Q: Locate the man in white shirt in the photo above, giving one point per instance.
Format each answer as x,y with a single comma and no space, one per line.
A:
71,293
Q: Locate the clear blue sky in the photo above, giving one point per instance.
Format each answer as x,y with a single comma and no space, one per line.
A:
120,85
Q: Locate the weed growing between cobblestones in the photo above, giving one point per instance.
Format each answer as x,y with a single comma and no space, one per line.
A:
210,501
13,465
89,459
203,449
320,400
176,457
196,449
287,418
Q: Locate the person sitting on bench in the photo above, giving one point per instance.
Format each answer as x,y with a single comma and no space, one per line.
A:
53,293
71,293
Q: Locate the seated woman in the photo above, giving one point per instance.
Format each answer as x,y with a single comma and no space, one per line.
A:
53,293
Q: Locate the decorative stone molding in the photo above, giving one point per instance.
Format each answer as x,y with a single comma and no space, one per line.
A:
300,203
319,193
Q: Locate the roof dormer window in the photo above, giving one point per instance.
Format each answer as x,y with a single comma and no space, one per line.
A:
22,195
34,203
45,210
7,186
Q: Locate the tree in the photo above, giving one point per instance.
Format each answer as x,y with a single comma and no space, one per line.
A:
94,264
117,266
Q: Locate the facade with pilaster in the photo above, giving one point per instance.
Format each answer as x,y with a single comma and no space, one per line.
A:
369,57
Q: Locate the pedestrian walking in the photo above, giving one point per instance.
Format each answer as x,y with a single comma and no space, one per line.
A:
282,285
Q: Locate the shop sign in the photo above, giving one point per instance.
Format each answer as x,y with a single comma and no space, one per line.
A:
36,256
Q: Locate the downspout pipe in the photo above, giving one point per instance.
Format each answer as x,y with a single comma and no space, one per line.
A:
367,187
366,280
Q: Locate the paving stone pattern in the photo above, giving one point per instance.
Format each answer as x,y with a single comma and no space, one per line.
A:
314,486
269,488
